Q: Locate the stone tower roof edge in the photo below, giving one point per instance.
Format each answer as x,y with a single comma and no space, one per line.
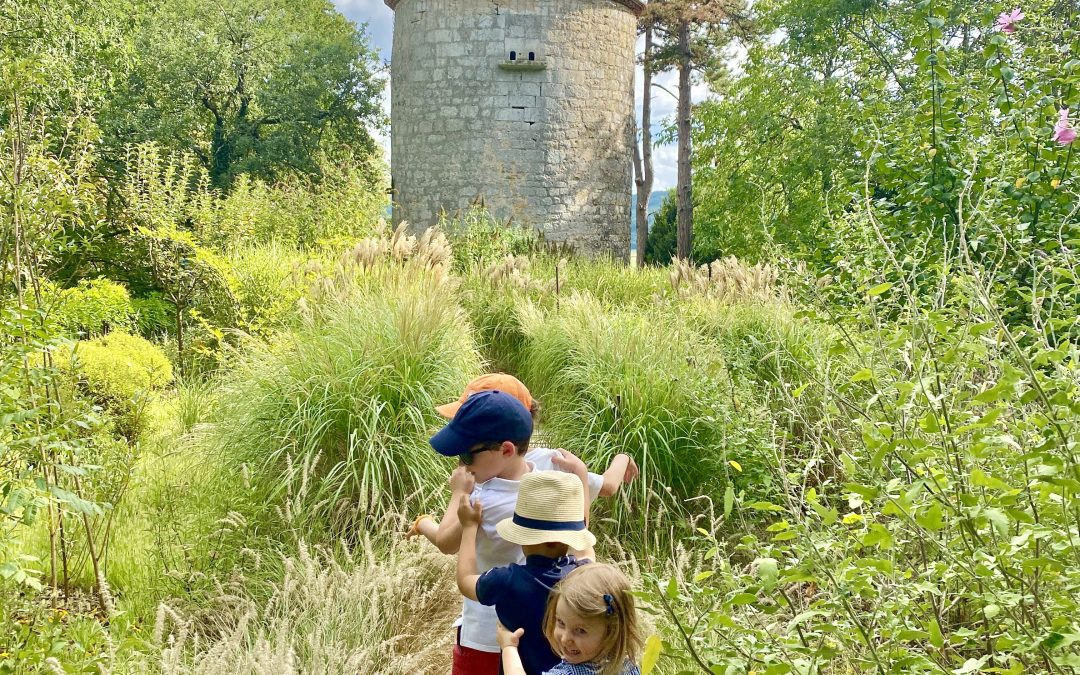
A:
635,6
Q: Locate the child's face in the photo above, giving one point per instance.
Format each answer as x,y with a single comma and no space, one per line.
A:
578,639
487,464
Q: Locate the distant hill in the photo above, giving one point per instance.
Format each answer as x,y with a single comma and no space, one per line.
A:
655,200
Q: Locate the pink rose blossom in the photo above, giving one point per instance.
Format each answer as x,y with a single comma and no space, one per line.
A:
1007,21
1064,134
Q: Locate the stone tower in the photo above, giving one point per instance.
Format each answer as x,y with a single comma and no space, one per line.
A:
525,105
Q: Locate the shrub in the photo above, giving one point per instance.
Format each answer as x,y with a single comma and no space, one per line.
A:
118,370
154,315
92,308
268,281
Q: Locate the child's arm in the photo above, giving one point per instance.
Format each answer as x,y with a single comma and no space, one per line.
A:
511,660
447,537
622,469
571,463
469,516
423,525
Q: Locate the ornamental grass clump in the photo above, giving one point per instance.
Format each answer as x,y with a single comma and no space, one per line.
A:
372,610
636,381
351,392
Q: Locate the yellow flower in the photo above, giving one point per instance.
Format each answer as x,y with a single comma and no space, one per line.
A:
1055,183
1020,181
933,151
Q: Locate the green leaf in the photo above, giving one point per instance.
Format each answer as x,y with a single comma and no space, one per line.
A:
653,648
729,500
936,638
767,571
931,518
999,520
863,375
879,289
766,506
971,665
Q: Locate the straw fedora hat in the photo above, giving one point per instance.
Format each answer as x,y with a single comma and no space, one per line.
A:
549,509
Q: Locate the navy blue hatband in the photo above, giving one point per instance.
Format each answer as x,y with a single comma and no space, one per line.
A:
548,525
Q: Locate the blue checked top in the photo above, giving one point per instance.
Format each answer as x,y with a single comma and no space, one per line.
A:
565,668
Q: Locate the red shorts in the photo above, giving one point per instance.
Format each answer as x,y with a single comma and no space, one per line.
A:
469,661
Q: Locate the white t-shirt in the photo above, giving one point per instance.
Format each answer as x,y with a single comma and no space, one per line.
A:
498,497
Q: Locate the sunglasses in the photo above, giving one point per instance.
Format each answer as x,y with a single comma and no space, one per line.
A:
466,458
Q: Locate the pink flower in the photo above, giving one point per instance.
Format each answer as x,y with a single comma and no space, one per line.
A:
1064,134
1007,21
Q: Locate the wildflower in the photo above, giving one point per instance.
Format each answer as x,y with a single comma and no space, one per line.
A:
1064,134
1007,21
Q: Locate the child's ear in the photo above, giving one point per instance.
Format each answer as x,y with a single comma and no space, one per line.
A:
508,449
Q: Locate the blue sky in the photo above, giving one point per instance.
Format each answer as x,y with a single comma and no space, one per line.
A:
380,21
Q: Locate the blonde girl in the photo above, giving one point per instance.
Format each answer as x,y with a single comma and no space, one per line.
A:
590,622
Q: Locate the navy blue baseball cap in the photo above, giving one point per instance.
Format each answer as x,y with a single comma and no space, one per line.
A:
488,416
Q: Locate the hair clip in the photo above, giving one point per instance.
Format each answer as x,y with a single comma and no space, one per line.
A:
610,602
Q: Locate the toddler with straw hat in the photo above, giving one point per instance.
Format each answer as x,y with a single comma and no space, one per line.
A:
549,521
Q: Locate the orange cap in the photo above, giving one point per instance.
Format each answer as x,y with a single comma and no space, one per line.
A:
501,381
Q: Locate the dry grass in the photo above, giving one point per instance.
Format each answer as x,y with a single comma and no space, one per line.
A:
386,610
728,279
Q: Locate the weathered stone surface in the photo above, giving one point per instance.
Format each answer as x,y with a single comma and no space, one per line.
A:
550,147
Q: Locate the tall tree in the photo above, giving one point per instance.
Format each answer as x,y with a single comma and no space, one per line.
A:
249,86
643,164
695,33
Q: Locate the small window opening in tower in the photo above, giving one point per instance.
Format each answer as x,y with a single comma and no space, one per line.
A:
532,56
513,56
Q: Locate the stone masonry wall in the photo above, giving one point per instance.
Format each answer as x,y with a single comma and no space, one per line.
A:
549,147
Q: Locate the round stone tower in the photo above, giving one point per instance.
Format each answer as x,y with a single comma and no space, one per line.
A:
525,106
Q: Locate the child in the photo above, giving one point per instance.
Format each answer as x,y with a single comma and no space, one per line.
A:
549,519
590,621
622,469
490,436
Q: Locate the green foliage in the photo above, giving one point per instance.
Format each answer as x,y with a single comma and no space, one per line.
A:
913,114
626,380
154,315
344,403
119,371
269,281
479,240
345,203
931,527
91,308
247,87
661,246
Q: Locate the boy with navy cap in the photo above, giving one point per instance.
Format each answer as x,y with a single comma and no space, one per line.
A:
490,436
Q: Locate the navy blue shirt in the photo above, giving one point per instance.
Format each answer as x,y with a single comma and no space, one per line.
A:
520,594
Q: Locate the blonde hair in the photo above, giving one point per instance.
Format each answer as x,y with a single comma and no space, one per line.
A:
600,590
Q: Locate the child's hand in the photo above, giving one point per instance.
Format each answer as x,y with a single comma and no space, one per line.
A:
461,481
469,513
506,638
631,470
569,462
414,528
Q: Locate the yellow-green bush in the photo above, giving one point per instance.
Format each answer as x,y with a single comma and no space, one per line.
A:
91,308
118,370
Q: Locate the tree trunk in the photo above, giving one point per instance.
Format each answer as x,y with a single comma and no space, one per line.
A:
684,228
645,170
180,337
